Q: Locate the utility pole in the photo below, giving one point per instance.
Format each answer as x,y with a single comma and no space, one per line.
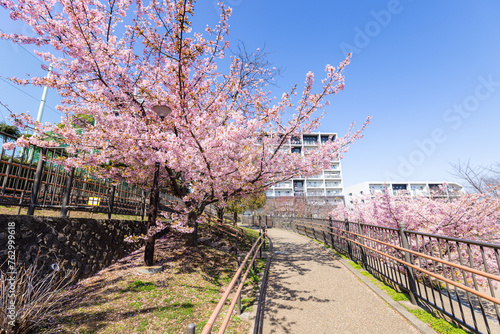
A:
44,98
41,108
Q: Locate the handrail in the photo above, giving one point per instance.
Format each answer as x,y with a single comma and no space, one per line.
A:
458,285
217,225
209,325
223,327
263,287
451,264
214,219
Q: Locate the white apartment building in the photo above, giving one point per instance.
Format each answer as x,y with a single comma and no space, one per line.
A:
327,185
412,188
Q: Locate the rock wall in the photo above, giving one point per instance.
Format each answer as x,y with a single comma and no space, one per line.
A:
74,243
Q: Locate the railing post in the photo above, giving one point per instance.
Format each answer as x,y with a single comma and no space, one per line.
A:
362,242
260,250
237,232
409,271
239,282
191,328
67,192
331,232
143,205
20,203
37,182
111,202
348,235
265,236
9,166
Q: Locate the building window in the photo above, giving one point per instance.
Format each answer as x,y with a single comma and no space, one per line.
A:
310,140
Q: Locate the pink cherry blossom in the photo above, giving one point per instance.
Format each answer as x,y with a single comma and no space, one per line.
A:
225,136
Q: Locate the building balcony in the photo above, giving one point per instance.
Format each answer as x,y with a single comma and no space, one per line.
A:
333,192
332,175
315,193
283,185
282,193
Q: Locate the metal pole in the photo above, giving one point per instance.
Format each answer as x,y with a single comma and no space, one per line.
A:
260,249
239,282
349,250
191,328
111,202
143,206
67,192
236,241
44,98
37,182
41,108
264,244
362,242
409,271
332,239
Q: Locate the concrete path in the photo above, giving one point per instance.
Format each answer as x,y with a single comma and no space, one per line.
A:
311,292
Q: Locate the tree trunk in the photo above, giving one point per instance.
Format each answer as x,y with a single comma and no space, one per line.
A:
149,249
220,214
235,216
192,238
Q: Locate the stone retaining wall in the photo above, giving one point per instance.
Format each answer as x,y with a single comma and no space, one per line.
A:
74,243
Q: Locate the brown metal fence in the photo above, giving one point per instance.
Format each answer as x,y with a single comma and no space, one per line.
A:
457,277
31,178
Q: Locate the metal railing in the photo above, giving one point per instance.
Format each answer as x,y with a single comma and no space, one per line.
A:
238,281
32,178
456,277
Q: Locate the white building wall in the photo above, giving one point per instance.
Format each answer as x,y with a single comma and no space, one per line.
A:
328,183
414,188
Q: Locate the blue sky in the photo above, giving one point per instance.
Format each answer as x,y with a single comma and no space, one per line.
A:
427,72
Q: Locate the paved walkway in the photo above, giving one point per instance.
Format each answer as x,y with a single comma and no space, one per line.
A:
311,292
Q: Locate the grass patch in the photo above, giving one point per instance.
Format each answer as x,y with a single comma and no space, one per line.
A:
139,286
12,210
439,325
251,232
355,265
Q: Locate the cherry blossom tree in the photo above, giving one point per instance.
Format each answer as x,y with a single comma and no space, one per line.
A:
113,61
467,216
